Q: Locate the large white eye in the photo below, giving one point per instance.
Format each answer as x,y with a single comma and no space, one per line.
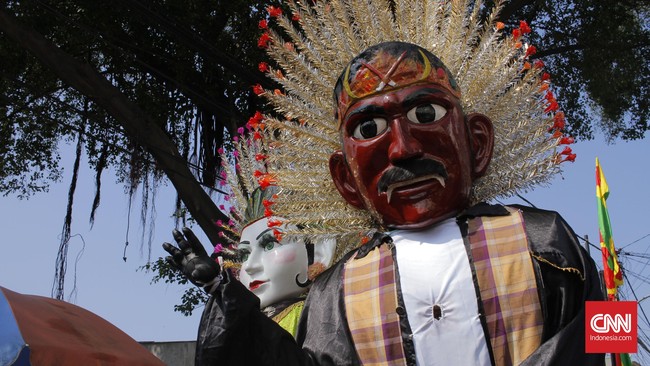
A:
426,113
370,128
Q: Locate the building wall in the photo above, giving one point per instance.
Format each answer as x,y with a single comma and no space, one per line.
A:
180,353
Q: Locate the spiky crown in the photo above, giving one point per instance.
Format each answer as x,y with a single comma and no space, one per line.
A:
494,74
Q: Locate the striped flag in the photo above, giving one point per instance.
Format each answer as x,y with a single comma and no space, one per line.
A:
623,359
612,271
613,275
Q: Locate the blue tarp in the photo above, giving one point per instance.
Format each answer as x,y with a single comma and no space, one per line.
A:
13,349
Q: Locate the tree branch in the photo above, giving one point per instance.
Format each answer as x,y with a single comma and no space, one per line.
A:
137,125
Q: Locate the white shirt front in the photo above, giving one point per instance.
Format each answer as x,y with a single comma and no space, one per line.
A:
434,271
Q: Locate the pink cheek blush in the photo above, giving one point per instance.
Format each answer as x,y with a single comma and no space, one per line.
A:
284,256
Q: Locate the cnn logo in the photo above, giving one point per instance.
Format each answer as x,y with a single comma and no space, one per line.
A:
610,327
605,323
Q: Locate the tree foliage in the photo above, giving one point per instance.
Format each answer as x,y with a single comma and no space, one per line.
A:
597,53
191,299
188,65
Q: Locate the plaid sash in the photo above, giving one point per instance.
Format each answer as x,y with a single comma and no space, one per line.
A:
370,301
506,279
505,276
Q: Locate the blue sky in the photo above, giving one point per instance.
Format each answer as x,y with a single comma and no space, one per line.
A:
114,289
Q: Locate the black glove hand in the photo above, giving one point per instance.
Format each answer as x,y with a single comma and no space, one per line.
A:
192,260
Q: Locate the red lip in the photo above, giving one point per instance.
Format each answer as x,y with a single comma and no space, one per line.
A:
255,284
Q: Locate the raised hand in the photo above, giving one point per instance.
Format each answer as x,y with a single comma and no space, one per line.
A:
192,260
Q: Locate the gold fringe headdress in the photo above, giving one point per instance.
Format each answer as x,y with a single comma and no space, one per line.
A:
252,188
493,70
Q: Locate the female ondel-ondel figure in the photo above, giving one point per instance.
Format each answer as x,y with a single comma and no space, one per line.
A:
277,269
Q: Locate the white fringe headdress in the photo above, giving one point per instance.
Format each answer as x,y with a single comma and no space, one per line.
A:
313,44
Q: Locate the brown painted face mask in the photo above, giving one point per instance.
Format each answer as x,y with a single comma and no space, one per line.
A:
406,152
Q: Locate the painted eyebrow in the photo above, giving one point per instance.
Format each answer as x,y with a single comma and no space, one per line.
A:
366,109
245,242
263,232
418,95
409,100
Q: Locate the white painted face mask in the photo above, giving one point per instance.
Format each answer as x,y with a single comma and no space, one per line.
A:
272,270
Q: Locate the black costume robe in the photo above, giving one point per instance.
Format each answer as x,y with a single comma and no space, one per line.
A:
233,331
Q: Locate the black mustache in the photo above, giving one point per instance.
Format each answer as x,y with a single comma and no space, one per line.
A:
410,169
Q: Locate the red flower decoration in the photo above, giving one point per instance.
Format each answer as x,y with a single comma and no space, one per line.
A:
500,25
255,121
257,135
260,157
263,66
531,50
295,17
266,180
264,40
552,103
263,24
546,76
567,151
274,223
539,64
274,11
516,33
257,174
567,140
258,116
523,27
257,89
268,212
549,96
277,234
552,107
570,157
558,121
